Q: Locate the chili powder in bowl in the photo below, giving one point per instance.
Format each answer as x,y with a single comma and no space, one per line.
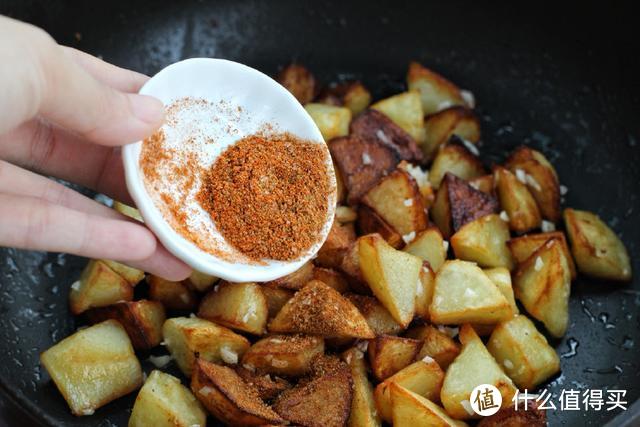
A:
238,182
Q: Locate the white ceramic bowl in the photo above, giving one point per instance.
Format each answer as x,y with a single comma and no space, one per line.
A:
260,96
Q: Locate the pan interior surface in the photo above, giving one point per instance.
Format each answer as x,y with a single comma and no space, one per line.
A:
560,79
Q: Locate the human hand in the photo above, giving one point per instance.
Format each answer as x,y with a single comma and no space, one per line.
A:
64,113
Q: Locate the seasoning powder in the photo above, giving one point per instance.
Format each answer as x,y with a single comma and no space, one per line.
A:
264,197
268,195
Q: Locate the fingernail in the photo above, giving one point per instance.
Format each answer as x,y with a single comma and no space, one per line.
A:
147,109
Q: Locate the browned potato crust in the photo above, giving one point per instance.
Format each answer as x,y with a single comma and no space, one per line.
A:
458,203
285,355
352,95
299,81
323,399
141,319
225,395
173,295
376,128
388,354
370,222
318,309
341,238
348,154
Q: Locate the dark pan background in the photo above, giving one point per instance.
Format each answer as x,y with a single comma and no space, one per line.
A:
562,78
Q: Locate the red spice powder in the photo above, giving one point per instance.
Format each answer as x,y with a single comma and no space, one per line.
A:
269,195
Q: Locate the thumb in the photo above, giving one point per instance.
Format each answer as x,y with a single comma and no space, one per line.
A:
73,99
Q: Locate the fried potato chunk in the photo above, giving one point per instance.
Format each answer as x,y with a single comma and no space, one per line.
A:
543,283
455,159
285,355
164,402
363,406
101,354
484,241
411,409
523,352
522,247
405,109
388,354
436,92
240,306
98,286
321,400
298,80
436,344
458,203
392,275
463,293
318,309
230,399
598,251
141,319
423,377
473,366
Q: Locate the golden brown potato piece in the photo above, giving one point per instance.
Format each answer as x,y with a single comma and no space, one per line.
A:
543,283
410,409
458,203
388,354
422,180
369,222
164,402
318,309
130,274
457,160
440,126
346,214
378,317
397,199
473,366
331,120
522,247
423,377
298,80
332,278
98,286
127,210
363,406
276,298
301,276
533,416
268,386
436,92
392,275
191,338
227,397
322,400
361,164
240,306
101,354
484,241
351,268
523,352
173,295
535,170
463,293
436,344
352,95
424,291
501,277
517,201
141,319
483,183
375,127
341,237
405,109
598,251
429,246
201,282
285,355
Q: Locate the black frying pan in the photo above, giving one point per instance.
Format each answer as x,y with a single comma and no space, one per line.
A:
563,79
